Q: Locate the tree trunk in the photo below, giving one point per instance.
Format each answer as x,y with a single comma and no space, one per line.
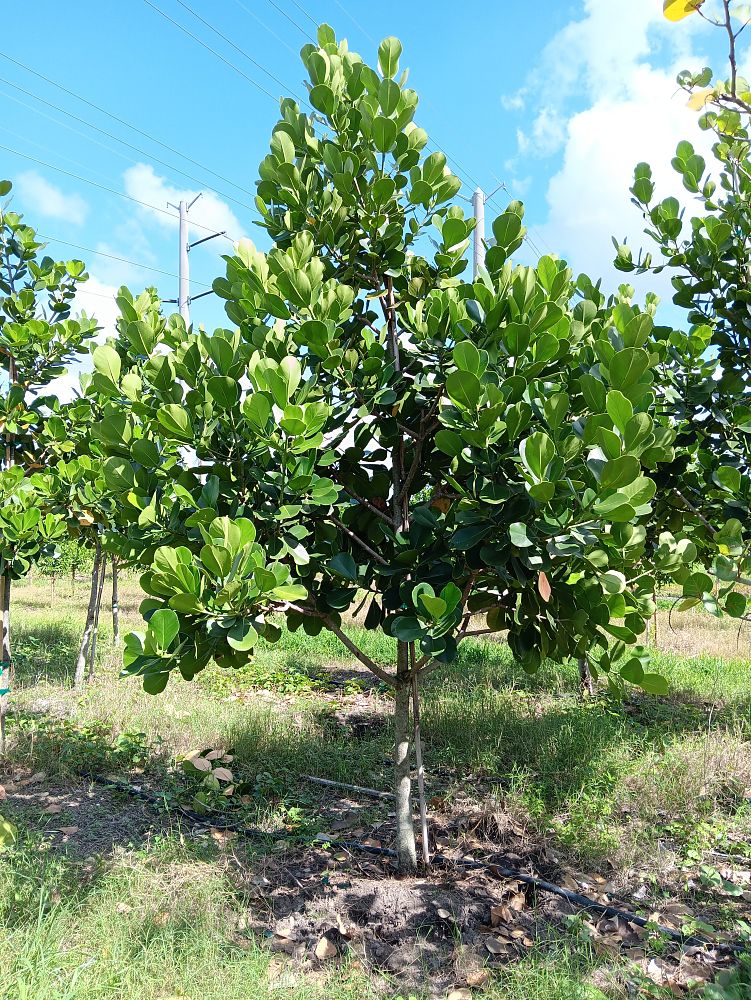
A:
115,605
97,609
80,674
586,683
73,581
418,761
405,833
6,677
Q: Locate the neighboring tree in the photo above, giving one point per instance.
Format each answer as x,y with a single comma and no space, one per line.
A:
69,559
475,455
37,339
707,491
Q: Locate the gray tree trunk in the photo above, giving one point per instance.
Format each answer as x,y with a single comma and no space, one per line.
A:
83,651
6,680
586,682
405,834
97,609
115,604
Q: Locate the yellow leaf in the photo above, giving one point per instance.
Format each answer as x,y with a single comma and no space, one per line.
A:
698,99
676,10
8,833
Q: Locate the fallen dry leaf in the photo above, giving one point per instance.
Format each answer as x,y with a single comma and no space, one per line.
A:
52,809
495,946
3,793
68,831
161,919
478,978
123,908
462,994
325,949
34,779
223,774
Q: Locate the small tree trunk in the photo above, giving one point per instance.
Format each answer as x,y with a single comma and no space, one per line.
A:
405,833
73,581
97,609
52,587
586,683
80,674
6,677
418,761
115,604
654,624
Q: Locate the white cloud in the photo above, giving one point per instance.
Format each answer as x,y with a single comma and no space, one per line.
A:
208,213
95,298
588,198
42,198
606,98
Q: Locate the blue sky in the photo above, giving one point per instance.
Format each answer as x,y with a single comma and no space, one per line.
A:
557,104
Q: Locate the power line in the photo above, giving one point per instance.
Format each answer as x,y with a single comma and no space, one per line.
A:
111,256
236,47
111,135
104,187
122,121
263,24
302,11
356,23
205,45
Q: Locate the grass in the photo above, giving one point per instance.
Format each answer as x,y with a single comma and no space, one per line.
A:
619,787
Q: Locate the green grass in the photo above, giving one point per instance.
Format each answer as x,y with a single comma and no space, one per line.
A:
604,783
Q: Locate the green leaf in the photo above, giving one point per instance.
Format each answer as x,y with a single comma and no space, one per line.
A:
728,478
537,452
242,637
627,367
107,362
388,56
449,442
384,133
291,373
517,534
344,565
224,390
697,585
464,389
619,409
735,604
620,472
467,357
176,421
654,684
407,628
435,606
164,625
322,98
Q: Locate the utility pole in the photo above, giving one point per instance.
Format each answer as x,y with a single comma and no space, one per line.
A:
184,297
478,252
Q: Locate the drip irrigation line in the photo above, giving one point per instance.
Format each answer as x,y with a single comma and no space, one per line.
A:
139,793
494,868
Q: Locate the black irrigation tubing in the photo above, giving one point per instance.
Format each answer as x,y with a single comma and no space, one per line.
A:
584,902
122,786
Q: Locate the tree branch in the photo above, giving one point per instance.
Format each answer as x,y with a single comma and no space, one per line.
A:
379,671
356,538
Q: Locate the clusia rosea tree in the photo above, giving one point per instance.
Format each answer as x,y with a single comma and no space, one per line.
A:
474,456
